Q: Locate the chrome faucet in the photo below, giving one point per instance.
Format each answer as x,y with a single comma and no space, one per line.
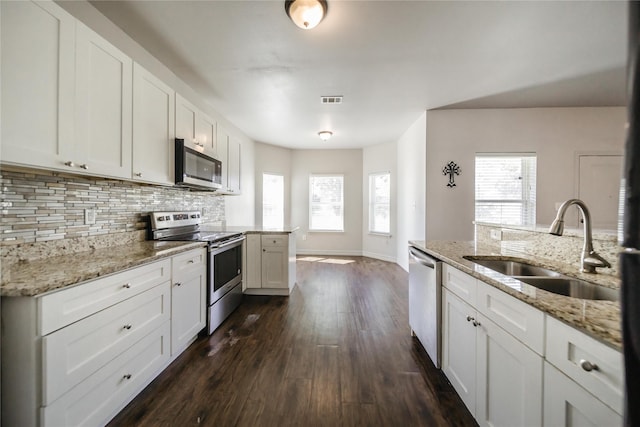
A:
590,259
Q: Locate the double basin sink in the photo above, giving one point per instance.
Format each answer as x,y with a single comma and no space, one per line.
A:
545,279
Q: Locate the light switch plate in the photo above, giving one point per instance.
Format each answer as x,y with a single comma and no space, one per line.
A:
89,216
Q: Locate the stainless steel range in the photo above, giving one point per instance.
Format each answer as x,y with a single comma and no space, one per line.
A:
224,265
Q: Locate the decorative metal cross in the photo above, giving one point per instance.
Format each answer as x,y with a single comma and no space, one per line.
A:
451,169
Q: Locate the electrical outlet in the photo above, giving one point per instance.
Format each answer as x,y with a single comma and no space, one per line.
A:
304,237
89,216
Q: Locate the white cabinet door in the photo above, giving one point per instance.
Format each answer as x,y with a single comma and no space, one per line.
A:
569,405
459,347
103,106
222,147
233,170
38,78
275,261
188,310
509,379
153,128
188,298
185,120
205,132
252,273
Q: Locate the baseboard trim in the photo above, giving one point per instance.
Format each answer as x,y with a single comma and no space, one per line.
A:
328,252
381,257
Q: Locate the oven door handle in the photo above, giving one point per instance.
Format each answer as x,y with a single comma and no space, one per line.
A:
229,243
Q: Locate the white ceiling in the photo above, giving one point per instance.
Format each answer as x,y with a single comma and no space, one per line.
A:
391,60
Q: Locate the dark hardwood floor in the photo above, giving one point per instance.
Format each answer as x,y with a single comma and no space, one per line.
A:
338,351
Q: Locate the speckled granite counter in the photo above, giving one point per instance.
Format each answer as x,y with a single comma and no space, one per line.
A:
600,319
31,278
250,229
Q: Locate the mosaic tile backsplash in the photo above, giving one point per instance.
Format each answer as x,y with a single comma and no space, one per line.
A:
40,206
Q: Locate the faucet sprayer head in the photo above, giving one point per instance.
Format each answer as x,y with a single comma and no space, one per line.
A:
557,227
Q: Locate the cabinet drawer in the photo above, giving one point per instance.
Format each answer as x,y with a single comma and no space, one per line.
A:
567,347
188,262
62,308
459,283
524,322
98,398
73,353
274,240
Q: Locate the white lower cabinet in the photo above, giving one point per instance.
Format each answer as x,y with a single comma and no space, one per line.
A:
269,264
498,377
568,404
188,298
77,356
512,365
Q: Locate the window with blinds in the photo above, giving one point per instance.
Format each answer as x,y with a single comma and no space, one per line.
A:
506,188
380,203
272,200
326,203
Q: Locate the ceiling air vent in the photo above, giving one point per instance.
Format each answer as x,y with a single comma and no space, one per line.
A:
331,99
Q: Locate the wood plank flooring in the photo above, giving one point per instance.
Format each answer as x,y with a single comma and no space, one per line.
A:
338,351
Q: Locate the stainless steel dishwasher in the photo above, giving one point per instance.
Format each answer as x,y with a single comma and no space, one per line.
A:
425,288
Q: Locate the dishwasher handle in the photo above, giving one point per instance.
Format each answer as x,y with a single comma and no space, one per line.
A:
419,257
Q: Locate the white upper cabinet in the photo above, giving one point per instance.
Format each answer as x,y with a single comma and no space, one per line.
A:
153,128
103,106
38,78
196,128
66,93
228,152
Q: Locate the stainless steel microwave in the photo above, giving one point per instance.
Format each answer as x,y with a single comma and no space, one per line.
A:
195,169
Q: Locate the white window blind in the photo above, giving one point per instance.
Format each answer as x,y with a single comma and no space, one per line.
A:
506,188
272,201
326,203
380,203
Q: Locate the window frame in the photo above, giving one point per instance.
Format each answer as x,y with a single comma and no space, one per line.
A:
312,203
528,190
373,204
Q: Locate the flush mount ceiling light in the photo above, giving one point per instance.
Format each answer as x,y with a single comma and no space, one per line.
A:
306,14
325,135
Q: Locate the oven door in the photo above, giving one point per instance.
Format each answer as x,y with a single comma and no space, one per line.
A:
225,269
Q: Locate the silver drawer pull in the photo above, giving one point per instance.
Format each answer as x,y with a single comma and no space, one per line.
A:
588,366
126,285
69,163
190,261
126,377
127,326
84,166
476,323
469,318
178,284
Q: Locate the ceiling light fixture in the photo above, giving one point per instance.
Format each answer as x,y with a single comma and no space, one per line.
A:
306,14
325,135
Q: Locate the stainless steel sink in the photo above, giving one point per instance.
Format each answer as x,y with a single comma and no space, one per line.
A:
572,288
512,268
545,279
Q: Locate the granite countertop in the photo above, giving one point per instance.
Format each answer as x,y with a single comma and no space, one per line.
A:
31,278
599,319
250,229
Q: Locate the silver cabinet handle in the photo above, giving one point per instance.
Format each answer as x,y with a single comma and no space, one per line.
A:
588,366
178,284
126,285
190,261
84,166
127,326
126,376
476,323
469,318
69,163
138,174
